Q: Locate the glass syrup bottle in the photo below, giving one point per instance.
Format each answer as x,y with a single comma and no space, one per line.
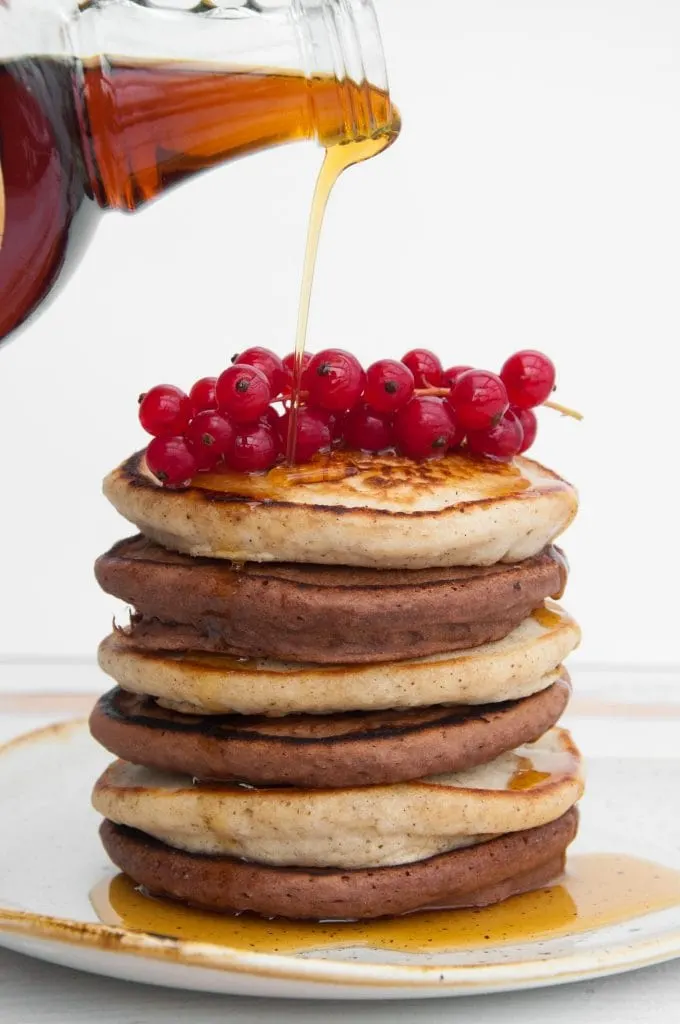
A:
106,104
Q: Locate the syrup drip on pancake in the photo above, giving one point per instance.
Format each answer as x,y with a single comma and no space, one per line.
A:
547,617
526,776
389,474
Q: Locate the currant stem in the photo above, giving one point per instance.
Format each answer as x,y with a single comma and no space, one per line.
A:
564,409
434,392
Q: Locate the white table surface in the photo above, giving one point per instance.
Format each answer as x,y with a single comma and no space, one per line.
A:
32,992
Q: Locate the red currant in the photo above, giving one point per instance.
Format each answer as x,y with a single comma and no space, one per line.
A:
458,435
243,393
255,449
289,367
336,380
424,428
336,425
529,424
165,411
501,442
271,417
529,378
335,421
171,461
269,363
202,394
478,399
368,431
210,437
389,385
450,376
313,433
425,367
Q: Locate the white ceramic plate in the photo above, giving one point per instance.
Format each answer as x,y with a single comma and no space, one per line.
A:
50,860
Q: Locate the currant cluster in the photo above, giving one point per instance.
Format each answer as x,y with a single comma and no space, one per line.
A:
413,406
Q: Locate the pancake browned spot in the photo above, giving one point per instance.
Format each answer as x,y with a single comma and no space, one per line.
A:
475,876
348,749
321,614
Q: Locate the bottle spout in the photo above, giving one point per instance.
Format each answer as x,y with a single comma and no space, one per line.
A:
340,40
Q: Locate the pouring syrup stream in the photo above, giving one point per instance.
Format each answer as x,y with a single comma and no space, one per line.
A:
338,157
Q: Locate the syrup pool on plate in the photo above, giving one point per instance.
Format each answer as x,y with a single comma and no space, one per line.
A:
597,891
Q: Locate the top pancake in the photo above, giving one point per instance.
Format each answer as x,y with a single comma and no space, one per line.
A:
349,508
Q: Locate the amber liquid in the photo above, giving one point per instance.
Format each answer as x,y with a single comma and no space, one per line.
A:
599,890
121,133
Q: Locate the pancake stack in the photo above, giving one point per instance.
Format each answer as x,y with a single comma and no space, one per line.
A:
338,690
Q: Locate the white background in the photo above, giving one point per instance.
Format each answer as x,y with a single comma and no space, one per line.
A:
532,200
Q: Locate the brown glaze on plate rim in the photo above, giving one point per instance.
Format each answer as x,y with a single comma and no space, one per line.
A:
510,974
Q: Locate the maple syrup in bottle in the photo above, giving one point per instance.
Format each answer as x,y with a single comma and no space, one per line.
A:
89,130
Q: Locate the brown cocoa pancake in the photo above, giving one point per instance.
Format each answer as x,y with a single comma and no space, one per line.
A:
350,749
472,877
320,614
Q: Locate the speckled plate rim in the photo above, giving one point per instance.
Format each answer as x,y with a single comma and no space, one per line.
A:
445,979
